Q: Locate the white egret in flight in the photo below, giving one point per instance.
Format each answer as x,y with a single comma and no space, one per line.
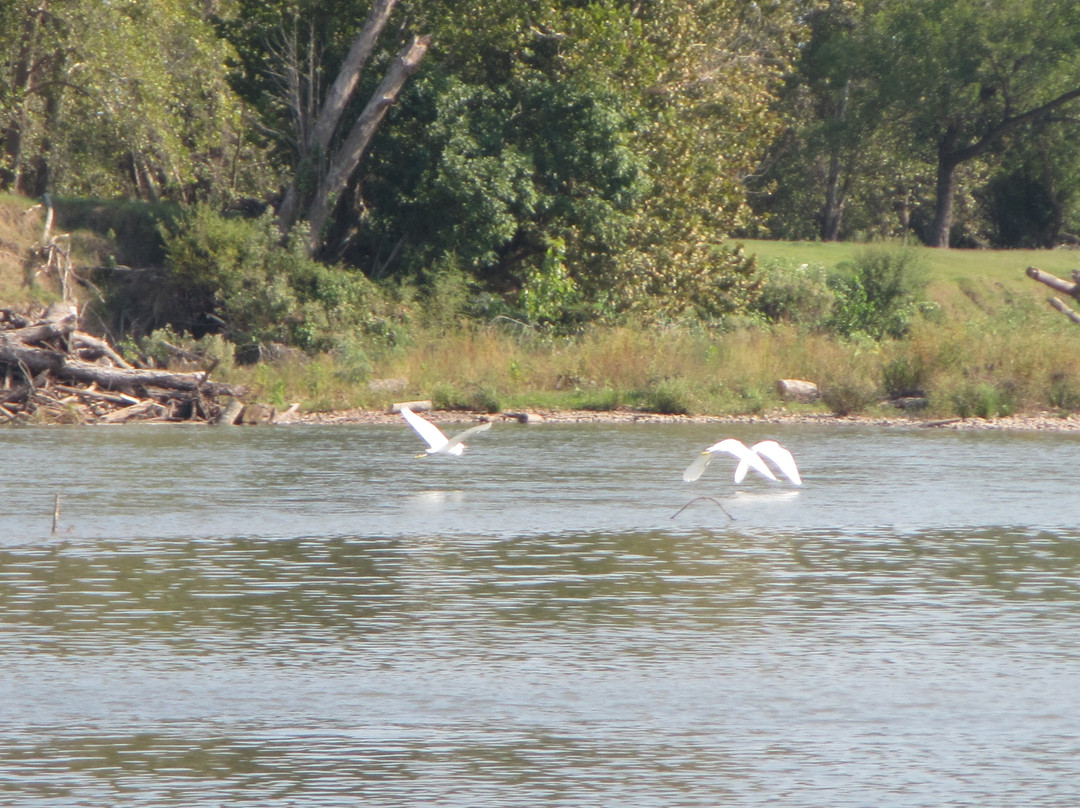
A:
749,457
437,442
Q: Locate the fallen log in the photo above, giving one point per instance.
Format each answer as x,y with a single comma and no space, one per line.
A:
43,360
144,410
134,378
97,348
95,395
16,348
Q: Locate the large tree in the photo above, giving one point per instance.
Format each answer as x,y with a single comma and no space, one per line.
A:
607,142
287,51
118,98
961,76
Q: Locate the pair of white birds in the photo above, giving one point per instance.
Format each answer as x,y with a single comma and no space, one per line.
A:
749,457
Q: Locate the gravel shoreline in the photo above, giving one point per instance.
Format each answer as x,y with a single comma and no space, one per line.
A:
1031,422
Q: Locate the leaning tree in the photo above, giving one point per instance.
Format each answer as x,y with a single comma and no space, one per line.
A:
285,50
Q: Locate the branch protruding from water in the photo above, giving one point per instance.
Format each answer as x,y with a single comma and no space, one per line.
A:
711,499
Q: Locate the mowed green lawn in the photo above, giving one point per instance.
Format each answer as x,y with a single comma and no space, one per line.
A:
958,279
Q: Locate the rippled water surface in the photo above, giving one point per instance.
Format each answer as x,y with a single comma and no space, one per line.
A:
311,616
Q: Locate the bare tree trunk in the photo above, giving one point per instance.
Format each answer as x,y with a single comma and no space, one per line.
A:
833,212
347,158
946,188
349,76
317,135
951,155
834,209
40,178
22,84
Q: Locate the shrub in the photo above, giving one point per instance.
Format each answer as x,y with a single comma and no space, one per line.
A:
165,348
878,294
848,396
237,278
447,396
904,375
984,400
1064,392
669,397
794,294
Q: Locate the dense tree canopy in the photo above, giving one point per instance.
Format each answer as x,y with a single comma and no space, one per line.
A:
939,93
562,159
120,98
563,151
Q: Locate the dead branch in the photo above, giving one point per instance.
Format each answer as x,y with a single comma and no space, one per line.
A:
1054,282
1063,307
1059,285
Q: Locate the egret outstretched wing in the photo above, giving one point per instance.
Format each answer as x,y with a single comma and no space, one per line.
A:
776,453
455,442
733,447
431,434
437,442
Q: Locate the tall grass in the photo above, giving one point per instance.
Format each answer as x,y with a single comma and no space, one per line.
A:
993,347
1026,361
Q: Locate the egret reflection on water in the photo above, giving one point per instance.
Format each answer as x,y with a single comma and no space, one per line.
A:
437,442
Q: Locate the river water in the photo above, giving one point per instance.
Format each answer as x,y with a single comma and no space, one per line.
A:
310,616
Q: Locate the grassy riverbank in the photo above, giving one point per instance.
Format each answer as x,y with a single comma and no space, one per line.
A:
997,353
965,370
983,344
986,346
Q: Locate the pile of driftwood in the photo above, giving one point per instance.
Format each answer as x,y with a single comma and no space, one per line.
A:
51,372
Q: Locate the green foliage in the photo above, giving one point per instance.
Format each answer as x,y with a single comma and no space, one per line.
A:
127,99
890,97
133,228
604,399
235,276
1021,210
1034,195
503,178
983,400
549,294
669,397
475,398
791,293
848,396
879,295
1064,393
904,375
165,348
446,294
578,160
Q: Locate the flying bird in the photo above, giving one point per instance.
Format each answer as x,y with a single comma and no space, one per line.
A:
775,453
749,457
437,442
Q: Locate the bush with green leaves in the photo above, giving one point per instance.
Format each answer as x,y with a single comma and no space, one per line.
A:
790,293
904,375
164,348
984,400
237,277
879,294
